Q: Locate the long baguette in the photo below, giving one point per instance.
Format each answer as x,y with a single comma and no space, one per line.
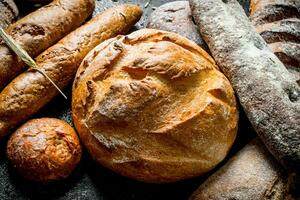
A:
40,30
268,93
30,91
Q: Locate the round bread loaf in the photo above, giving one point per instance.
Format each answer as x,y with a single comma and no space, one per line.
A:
44,149
153,106
9,12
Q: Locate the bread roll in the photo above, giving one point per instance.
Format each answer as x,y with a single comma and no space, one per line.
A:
278,22
268,93
252,174
30,91
153,106
44,149
9,12
40,30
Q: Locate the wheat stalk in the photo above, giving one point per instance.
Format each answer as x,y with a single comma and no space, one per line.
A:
25,57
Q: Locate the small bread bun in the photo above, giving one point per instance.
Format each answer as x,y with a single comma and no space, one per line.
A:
153,106
44,150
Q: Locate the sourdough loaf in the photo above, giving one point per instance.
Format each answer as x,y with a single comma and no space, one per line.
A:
153,106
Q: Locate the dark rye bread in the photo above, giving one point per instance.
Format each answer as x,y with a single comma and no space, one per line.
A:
278,22
9,12
252,174
176,17
268,93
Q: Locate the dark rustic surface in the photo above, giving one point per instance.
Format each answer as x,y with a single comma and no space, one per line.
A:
90,180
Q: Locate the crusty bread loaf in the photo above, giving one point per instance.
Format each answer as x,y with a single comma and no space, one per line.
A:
268,93
30,91
45,149
278,22
153,106
252,174
9,12
176,17
40,30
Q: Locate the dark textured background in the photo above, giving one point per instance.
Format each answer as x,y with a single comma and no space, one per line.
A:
90,180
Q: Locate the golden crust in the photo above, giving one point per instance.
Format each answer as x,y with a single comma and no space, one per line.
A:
60,62
154,107
44,149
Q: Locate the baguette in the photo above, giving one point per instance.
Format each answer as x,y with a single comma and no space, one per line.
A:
40,30
252,174
278,22
268,93
30,91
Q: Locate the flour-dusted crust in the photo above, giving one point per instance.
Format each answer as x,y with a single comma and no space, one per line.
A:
153,106
40,30
30,91
176,16
278,22
45,149
9,12
252,174
268,93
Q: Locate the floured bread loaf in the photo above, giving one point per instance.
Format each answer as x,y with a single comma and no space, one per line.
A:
176,17
252,174
8,12
278,22
153,106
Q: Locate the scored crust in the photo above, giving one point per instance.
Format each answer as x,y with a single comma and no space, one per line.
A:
154,107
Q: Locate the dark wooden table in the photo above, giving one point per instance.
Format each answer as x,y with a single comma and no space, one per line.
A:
90,180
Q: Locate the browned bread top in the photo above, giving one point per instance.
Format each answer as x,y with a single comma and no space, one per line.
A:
44,149
40,30
60,62
153,106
